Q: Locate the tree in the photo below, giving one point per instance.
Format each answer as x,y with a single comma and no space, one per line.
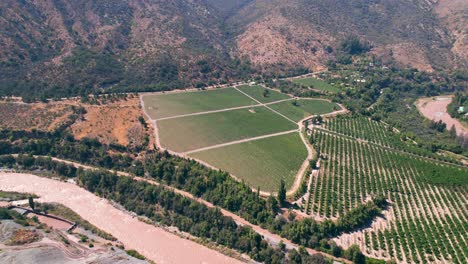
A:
295,102
31,202
281,245
282,193
453,132
354,253
266,93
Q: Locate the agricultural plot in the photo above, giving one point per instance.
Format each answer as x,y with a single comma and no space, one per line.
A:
426,221
304,108
174,104
317,84
261,162
194,132
242,136
260,94
363,128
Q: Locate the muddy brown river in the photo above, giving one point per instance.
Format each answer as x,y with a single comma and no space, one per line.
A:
153,242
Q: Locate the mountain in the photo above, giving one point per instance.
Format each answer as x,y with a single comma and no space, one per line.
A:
56,47
299,31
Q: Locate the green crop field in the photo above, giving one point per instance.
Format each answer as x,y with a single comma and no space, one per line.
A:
316,84
257,93
304,108
167,105
193,132
260,162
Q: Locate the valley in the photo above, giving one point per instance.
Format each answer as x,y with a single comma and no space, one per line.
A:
234,131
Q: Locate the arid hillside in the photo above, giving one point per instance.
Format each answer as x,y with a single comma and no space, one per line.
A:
109,120
305,33
454,14
57,48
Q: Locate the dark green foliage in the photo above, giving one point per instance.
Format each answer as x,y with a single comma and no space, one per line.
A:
168,208
362,215
31,203
352,45
135,254
459,100
5,214
282,193
214,186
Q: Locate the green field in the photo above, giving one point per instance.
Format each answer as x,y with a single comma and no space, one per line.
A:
305,108
167,105
317,84
257,93
193,132
260,162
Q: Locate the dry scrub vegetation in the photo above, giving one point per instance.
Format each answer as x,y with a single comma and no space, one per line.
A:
109,119
40,116
112,122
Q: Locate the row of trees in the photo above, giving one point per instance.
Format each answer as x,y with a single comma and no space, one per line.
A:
214,186
168,208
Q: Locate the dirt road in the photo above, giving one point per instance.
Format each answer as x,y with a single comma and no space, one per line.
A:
270,237
153,242
240,141
302,170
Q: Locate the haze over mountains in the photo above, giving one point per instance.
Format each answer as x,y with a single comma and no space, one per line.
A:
58,46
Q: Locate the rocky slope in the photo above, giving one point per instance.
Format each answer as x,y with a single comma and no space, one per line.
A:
298,32
57,47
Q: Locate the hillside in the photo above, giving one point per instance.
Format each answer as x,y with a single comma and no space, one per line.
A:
60,48
301,32
83,45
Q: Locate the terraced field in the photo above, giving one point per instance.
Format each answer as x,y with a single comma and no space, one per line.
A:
317,84
427,216
253,136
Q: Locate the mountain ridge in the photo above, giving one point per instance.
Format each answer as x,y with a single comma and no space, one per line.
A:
57,47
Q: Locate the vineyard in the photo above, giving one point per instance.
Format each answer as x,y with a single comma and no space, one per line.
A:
381,134
427,219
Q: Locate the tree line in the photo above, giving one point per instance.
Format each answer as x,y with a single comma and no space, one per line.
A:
216,187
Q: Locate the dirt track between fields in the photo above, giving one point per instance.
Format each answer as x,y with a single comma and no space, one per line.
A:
302,170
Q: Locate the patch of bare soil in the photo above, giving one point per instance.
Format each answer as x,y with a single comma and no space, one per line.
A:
23,236
435,108
110,120
113,122
40,116
54,223
56,246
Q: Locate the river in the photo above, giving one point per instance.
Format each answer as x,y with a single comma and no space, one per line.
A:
153,242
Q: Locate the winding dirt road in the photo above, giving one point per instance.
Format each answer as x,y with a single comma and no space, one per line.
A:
269,236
